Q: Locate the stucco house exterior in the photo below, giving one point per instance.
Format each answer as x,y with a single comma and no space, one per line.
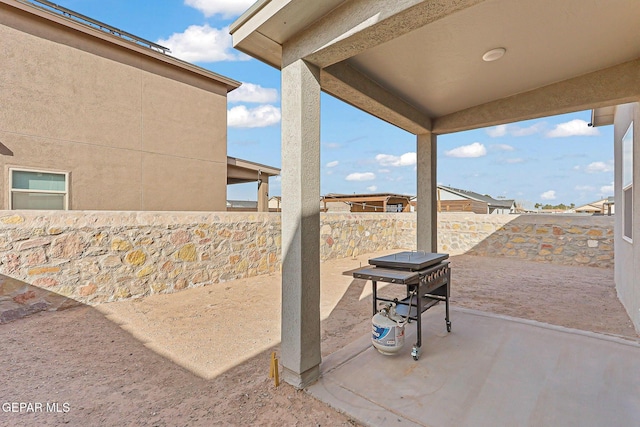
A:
97,119
433,67
599,207
457,200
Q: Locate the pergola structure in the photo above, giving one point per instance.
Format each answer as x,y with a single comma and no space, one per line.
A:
242,171
378,202
430,67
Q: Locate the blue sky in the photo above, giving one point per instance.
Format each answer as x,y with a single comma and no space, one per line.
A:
552,160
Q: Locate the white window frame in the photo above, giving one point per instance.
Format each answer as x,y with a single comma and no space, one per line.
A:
54,172
627,182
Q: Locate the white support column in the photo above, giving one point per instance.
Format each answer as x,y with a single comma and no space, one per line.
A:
300,348
427,186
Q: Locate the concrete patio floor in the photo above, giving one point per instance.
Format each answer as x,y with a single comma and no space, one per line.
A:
491,370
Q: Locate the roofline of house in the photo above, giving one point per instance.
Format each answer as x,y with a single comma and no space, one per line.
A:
86,29
258,167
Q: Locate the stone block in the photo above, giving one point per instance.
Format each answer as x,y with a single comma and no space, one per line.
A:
32,243
112,261
68,246
120,245
43,270
12,219
180,237
136,257
180,284
146,271
87,290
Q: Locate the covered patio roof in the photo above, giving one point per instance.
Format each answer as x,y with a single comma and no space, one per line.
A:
418,64
430,67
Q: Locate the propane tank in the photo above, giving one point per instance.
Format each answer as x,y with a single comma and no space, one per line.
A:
388,330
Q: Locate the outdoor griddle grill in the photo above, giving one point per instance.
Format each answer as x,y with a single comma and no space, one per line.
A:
427,277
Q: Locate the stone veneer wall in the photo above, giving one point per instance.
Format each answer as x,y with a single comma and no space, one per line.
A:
557,239
100,256
95,257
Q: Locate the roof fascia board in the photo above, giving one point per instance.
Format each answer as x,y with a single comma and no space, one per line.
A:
253,166
246,35
350,85
619,84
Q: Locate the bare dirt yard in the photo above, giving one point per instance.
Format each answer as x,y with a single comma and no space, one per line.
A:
144,363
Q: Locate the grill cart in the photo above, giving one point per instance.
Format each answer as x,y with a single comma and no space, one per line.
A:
426,277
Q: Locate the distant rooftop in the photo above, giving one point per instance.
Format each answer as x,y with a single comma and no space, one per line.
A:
507,203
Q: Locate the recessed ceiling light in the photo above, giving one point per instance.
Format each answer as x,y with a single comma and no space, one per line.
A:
494,54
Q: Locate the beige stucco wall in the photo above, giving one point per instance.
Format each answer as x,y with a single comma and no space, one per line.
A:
135,133
627,268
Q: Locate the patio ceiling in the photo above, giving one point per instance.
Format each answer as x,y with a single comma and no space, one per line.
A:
418,64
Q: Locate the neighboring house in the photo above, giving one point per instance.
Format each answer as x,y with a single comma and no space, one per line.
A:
382,202
93,118
600,207
275,204
456,200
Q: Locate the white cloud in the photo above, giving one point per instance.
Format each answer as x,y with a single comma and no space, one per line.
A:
407,159
607,189
384,170
495,132
548,195
530,130
258,117
472,150
357,176
202,44
585,188
513,130
372,188
502,147
597,167
332,164
250,92
575,127
514,160
332,145
227,8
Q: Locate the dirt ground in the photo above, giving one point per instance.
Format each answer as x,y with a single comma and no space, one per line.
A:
101,370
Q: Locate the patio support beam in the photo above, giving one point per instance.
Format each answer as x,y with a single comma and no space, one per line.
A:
263,194
360,25
350,85
427,218
611,86
300,347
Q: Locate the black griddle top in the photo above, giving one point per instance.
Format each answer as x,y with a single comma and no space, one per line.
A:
412,261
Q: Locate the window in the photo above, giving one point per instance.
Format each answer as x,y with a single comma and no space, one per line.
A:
627,184
31,189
